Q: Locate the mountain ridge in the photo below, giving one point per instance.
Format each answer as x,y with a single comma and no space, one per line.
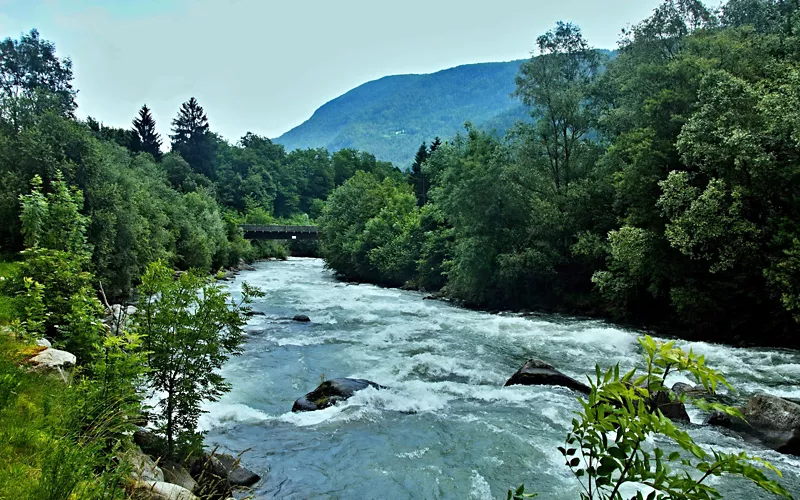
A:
392,115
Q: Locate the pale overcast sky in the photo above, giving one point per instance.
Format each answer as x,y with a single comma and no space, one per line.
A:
265,66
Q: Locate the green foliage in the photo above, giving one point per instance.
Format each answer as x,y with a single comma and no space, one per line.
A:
58,441
34,80
369,227
657,187
190,327
610,444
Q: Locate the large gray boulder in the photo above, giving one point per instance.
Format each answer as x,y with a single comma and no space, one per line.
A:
53,360
176,474
159,490
773,421
143,468
537,372
331,392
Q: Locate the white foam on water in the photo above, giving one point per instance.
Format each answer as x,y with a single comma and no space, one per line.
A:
481,489
447,365
413,454
226,415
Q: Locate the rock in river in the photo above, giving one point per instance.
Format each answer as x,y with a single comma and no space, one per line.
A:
222,470
302,318
330,392
537,372
773,421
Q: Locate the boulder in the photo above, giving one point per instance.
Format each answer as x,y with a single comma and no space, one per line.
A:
176,474
537,372
670,406
331,392
53,360
226,276
302,318
770,420
147,441
159,490
220,472
774,421
237,475
44,343
143,468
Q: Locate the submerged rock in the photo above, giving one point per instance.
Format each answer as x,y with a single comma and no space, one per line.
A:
537,372
302,318
331,392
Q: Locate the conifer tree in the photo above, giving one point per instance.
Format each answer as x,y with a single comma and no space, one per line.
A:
192,139
145,127
434,145
417,178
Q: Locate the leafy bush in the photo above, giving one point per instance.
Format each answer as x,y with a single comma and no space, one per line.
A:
610,444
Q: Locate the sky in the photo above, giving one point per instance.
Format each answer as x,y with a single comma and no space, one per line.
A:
265,66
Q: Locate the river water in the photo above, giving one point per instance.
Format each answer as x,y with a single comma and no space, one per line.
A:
445,428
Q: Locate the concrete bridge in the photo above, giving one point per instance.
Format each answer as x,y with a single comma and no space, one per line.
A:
276,232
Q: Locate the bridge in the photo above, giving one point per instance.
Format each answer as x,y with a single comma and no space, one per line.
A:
277,232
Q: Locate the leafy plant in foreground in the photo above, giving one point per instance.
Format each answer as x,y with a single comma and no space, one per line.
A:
609,448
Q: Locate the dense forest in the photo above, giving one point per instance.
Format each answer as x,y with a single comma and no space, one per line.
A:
658,188
143,205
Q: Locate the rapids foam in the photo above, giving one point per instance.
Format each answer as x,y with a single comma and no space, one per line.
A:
445,427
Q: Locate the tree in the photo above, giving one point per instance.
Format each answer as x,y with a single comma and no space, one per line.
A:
145,127
417,177
192,138
191,328
555,86
33,80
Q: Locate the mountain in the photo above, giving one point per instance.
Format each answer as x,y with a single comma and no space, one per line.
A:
390,117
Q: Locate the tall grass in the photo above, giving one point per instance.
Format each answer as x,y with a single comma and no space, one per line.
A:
54,442
7,309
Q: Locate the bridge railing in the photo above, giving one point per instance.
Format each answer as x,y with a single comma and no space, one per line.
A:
265,228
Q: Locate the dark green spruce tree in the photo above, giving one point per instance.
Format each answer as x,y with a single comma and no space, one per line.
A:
145,127
192,139
417,177
434,145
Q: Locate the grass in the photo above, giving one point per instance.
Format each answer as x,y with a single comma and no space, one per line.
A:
7,309
51,448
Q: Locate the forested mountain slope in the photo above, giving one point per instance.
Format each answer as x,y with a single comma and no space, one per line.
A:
392,116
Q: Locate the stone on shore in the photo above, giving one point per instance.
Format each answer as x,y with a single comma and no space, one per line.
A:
176,474
53,360
159,490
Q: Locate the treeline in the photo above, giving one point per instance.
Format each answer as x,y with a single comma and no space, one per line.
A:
182,207
658,188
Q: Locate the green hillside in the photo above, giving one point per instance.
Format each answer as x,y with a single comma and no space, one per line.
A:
391,116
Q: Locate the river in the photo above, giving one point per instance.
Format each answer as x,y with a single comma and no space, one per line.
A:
446,428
